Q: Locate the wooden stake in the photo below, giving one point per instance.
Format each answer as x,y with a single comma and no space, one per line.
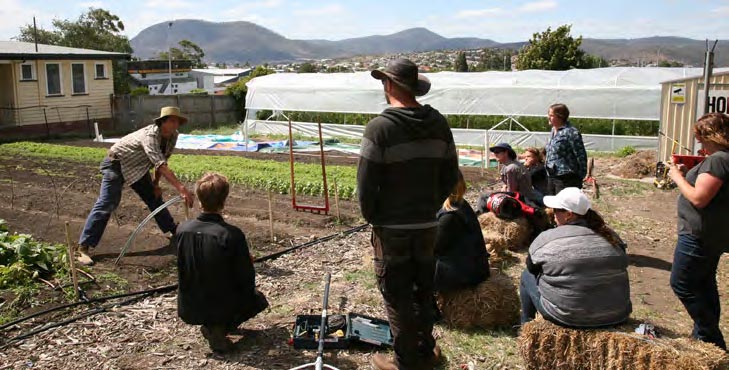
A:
336,199
12,193
483,163
270,214
72,262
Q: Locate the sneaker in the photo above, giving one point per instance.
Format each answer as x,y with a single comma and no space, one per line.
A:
382,362
216,338
83,256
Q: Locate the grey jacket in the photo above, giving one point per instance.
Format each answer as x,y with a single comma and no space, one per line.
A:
583,280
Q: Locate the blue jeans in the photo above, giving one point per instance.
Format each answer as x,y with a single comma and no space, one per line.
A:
112,183
529,296
693,279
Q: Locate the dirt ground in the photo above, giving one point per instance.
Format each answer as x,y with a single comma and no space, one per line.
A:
148,334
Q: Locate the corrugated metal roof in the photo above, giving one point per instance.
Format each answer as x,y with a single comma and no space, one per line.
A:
26,50
222,71
715,72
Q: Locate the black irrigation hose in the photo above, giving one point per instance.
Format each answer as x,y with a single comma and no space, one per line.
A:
88,313
313,242
154,290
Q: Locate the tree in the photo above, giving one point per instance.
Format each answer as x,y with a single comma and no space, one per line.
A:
554,50
461,65
239,89
188,50
97,29
307,68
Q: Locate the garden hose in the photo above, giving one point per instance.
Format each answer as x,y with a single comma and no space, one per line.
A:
144,222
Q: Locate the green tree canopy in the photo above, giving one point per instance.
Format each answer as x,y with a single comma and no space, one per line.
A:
188,50
555,50
97,29
239,89
461,65
307,68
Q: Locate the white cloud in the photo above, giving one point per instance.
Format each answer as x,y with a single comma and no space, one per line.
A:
14,15
722,11
477,13
264,4
331,9
91,4
538,6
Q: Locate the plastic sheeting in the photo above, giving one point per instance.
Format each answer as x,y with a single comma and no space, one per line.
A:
608,93
471,137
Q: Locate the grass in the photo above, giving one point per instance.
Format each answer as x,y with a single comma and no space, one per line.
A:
487,349
365,278
260,174
114,282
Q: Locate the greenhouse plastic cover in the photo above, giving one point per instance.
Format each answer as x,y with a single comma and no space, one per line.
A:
609,93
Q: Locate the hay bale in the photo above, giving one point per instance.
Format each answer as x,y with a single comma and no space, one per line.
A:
492,303
496,244
515,234
546,346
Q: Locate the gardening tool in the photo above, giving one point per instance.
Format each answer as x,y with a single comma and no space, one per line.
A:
319,363
144,222
589,180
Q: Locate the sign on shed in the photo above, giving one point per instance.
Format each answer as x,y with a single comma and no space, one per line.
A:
678,93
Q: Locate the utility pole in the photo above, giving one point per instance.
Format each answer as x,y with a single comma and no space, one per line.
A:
169,56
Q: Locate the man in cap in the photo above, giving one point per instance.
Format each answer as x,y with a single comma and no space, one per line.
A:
129,161
514,175
408,167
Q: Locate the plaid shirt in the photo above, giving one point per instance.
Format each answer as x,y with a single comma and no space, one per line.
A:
142,150
566,152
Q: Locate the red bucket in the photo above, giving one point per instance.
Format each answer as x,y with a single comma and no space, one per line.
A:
687,160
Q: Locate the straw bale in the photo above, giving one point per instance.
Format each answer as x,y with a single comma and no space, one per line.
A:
546,346
515,234
492,303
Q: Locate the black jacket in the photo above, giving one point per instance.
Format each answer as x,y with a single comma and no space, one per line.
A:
460,251
407,168
215,271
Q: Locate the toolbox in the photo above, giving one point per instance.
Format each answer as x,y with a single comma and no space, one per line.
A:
342,331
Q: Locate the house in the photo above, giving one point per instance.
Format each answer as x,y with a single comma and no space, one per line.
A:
162,77
215,80
48,89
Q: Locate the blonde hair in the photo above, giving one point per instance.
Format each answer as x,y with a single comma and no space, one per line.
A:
713,127
456,195
212,190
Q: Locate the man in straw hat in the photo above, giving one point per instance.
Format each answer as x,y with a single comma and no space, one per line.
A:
408,167
130,160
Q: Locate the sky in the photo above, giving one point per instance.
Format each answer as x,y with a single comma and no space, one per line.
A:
501,21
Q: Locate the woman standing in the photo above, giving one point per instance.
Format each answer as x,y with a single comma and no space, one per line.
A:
703,234
566,161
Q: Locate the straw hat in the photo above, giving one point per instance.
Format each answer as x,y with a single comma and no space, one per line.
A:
170,111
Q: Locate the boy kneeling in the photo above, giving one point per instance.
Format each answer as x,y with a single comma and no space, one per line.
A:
217,286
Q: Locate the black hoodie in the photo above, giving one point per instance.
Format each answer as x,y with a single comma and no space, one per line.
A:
408,166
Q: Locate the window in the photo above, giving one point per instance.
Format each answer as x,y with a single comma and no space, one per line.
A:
53,79
27,72
101,71
78,78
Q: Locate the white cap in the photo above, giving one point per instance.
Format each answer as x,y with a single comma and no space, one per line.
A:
571,199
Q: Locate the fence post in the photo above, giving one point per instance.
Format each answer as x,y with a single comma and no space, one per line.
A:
212,111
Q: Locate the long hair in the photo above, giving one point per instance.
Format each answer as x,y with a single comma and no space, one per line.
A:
597,224
537,153
456,195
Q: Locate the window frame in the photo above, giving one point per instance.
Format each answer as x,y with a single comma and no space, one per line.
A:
33,74
96,71
60,78
86,84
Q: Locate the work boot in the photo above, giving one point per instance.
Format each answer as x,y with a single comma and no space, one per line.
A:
215,335
83,256
382,362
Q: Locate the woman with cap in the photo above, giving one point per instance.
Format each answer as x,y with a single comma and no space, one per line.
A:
129,161
703,234
461,259
577,273
566,159
514,175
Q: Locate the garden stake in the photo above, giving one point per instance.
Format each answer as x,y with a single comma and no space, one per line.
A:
12,192
336,199
270,215
72,263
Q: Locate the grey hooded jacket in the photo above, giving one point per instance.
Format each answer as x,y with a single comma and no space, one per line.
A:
582,279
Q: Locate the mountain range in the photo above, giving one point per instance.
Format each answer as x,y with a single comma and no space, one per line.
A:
242,41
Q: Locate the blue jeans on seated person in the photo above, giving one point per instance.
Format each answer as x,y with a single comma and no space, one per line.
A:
112,183
529,296
693,280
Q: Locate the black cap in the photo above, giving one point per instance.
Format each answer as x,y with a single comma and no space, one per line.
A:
405,74
503,146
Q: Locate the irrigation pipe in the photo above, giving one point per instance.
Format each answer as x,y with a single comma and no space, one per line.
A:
313,242
144,222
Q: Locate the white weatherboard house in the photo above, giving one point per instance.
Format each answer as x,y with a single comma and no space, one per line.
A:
52,89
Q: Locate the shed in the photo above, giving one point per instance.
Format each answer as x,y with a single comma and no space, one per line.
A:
682,102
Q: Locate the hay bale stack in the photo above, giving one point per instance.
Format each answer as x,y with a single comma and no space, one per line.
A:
505,234
492,303
546,346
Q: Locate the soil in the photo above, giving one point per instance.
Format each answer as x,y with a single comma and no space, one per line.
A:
44,195
636,166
